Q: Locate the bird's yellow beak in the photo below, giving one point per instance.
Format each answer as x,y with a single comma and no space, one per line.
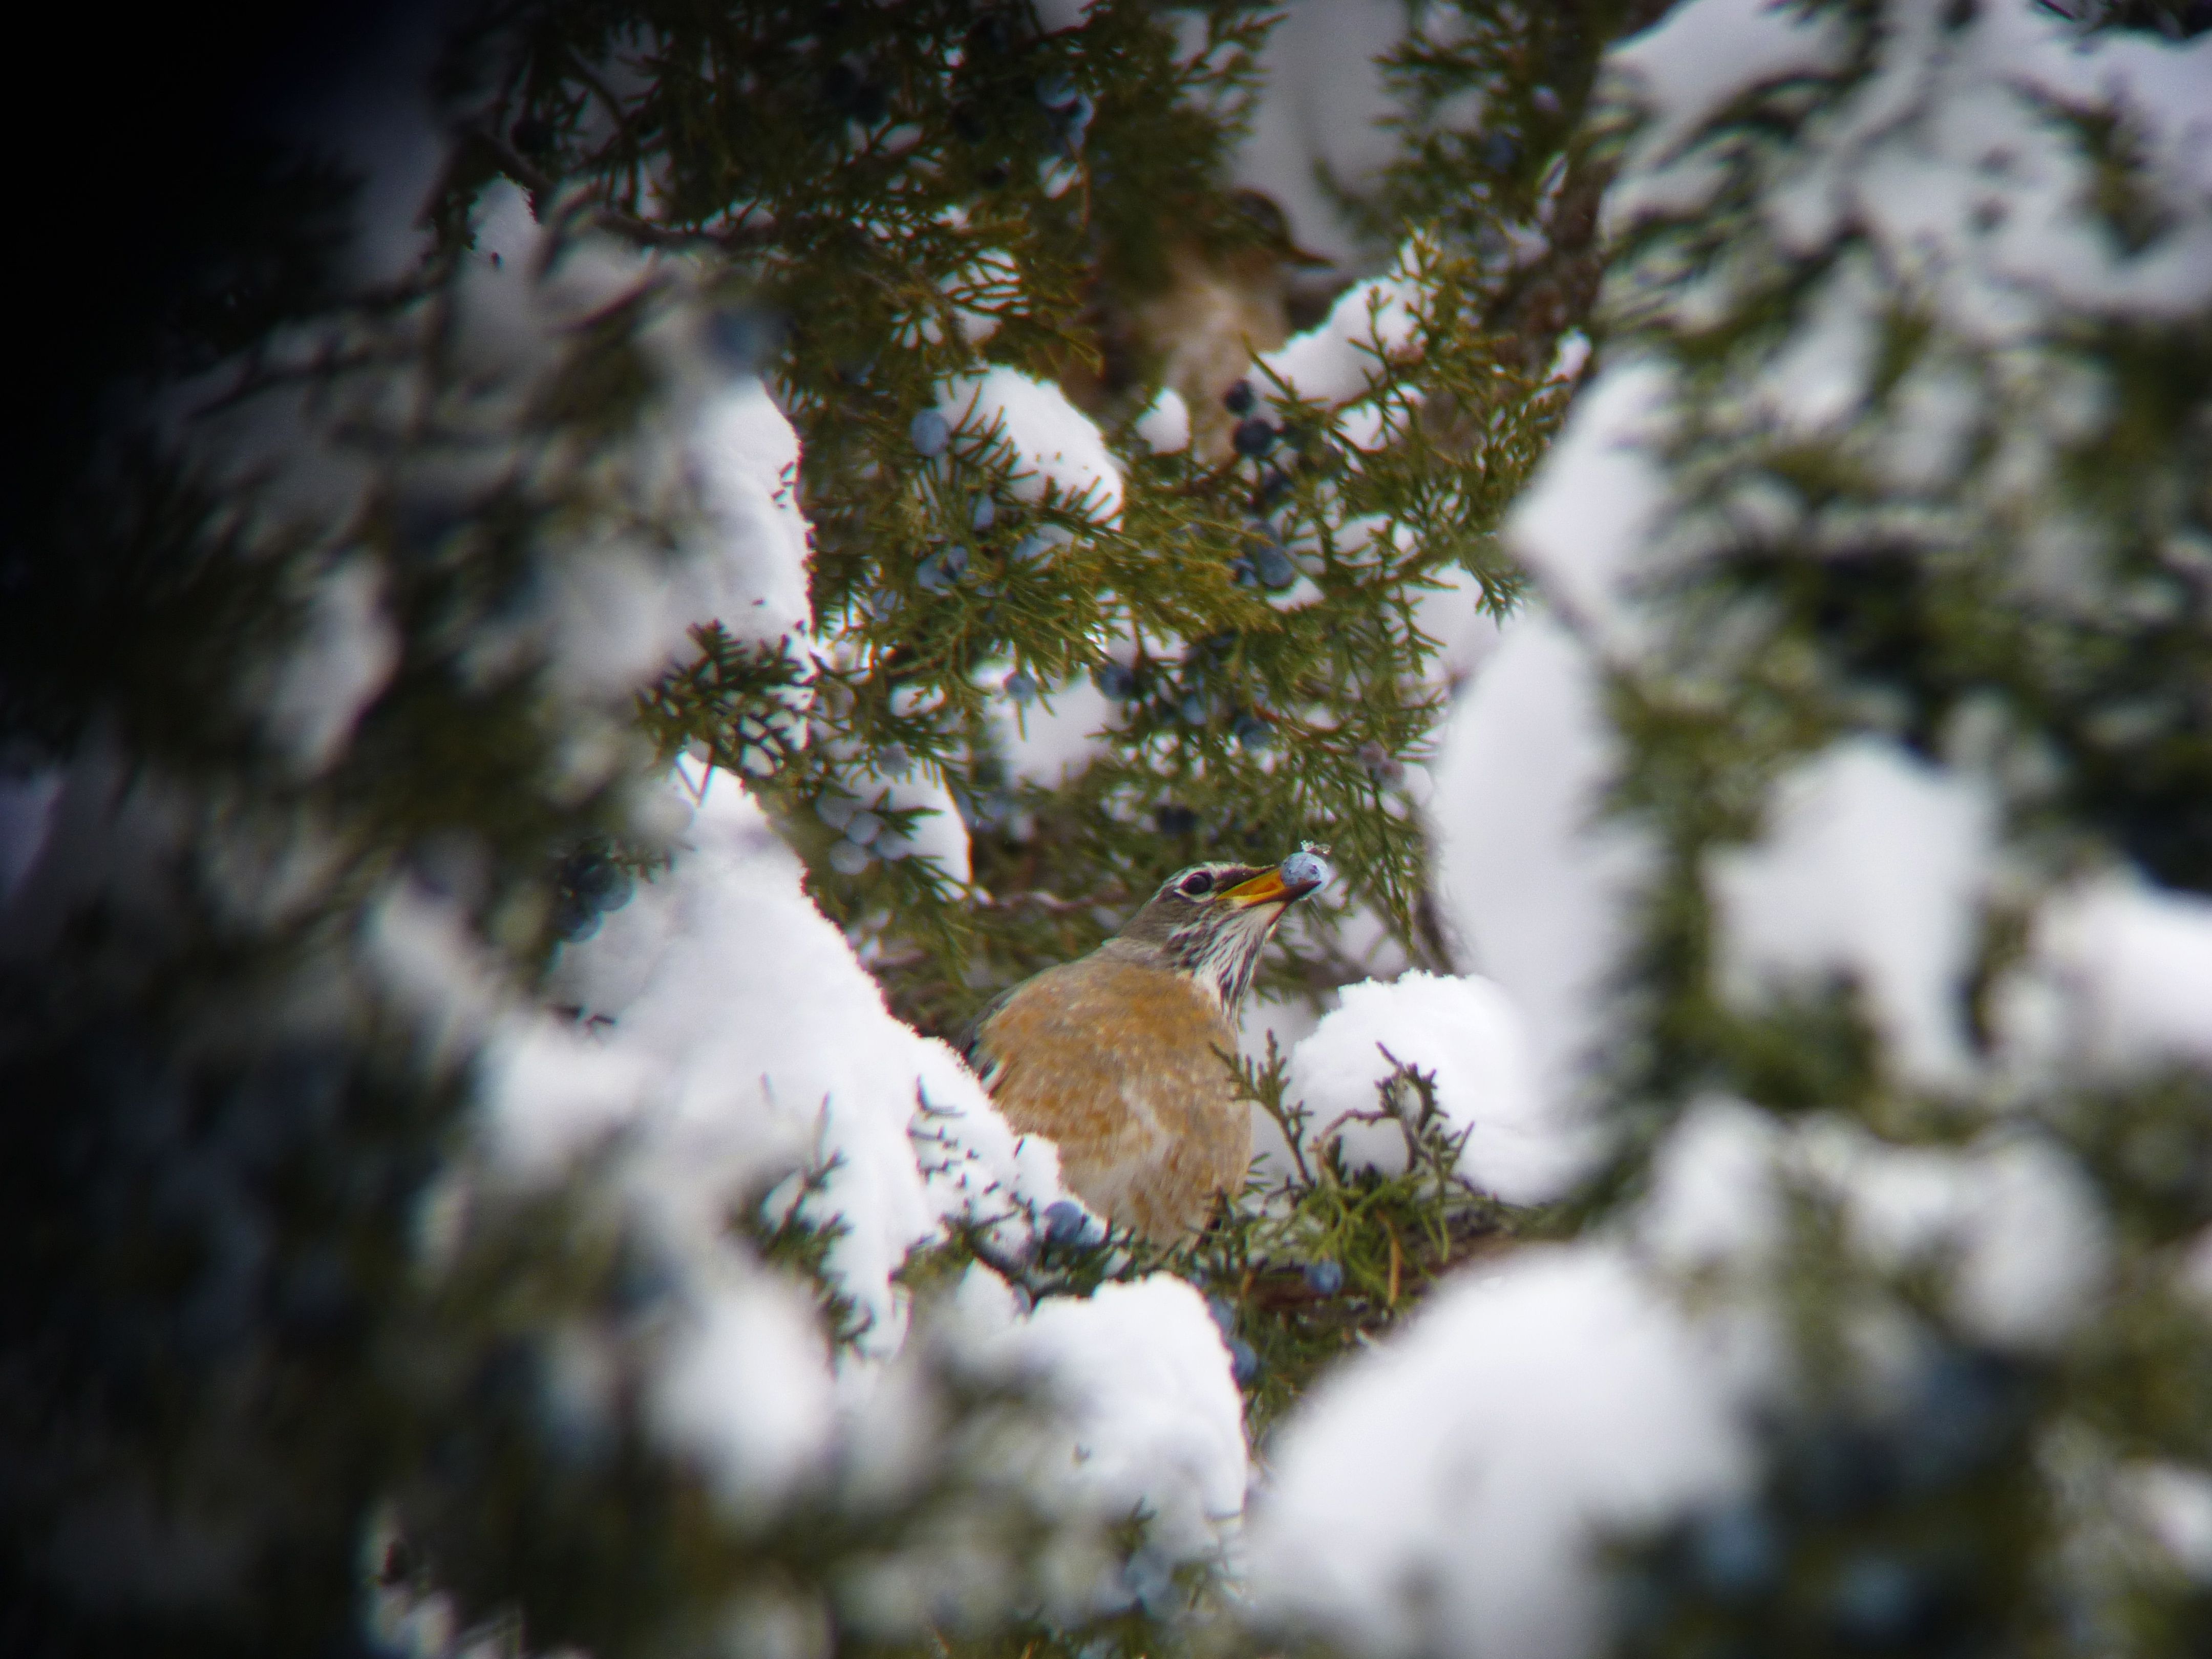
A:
1290,880
1265,888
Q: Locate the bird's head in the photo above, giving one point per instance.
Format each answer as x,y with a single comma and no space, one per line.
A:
1209,922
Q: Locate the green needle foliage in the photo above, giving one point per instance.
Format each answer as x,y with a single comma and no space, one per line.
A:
916,172
1319,1257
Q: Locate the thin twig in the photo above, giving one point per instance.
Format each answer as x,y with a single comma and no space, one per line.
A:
585,73
542,185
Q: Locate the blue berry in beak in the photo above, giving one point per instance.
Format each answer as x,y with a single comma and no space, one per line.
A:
1306,873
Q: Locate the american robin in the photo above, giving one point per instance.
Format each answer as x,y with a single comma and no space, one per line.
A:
1232,286
1224,304
1122,1057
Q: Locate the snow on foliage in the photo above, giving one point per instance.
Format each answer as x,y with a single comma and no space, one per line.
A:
1531,880
1584,524
1165,424
1466,1033
747,456
1872,871
1445,1495
2118,982
2009,1225
715,1064
2012,1223
1946,156
345,660
1054,444
1049,739
1323,121
711,1062
755,1060
1669,819
709,1071
1345,358
1149,1422
1341,358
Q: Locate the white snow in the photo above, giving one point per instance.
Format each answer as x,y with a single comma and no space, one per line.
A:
1057,14
346,656
1571,358
2118,981
1697,58
1445,1494
1165,424
1054,737
2009,1224
1872,869
1945,153
1585,524
746,1388
733,1036
1151,1416
753,581
753,1057
1468,1033
2173,1502
1528,878
1053,442
1466,634
1323,97
625,612
1715,1200
938,834
1343,358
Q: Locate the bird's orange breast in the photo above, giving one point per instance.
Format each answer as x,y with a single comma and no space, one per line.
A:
1127,1068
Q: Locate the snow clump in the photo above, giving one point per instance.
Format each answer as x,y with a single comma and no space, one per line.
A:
1054,443
1466,1033
1446,1494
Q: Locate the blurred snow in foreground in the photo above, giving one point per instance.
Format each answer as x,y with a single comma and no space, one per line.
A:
1444,1495
1449,1492
1452,1491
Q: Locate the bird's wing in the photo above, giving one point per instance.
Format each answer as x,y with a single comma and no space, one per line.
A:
973,1050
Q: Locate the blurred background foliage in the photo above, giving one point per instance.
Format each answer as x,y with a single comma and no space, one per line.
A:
821,150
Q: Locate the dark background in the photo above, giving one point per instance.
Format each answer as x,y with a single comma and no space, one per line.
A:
179,203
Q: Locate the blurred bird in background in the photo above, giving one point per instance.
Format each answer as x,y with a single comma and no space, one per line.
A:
1122,1057
1223,306
1237,285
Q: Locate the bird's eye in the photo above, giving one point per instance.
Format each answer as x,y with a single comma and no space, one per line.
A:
1195,885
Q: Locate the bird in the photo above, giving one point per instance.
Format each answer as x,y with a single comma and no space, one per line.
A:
1232,283
1122,1058
1228,300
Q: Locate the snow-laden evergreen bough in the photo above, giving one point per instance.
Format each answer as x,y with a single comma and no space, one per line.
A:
481,1194
361,1279
1836,818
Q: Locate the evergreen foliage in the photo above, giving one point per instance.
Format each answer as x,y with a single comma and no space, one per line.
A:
241,1411
1941,505
922,173
343,676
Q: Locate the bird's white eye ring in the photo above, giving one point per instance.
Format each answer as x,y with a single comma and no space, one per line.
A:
1195,884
